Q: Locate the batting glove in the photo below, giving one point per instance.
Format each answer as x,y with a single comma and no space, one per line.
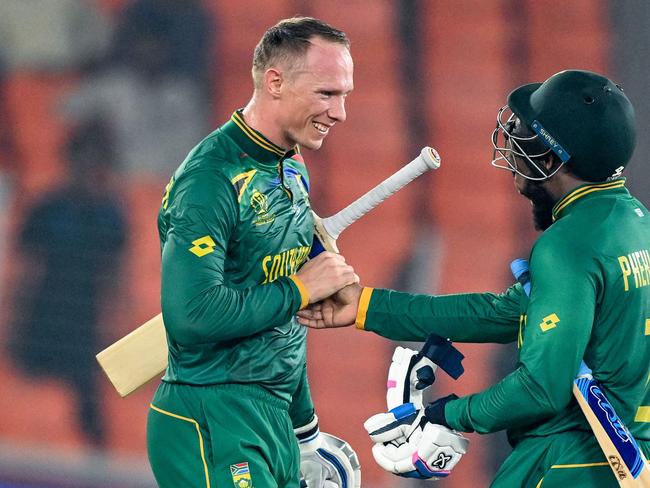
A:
411,372
408,376
325,460
409,445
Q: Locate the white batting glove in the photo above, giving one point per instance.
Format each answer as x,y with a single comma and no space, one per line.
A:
325,460
408,445
408,376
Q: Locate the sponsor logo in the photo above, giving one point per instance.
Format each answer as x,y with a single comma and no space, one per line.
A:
550,141
441,461
549,322
617,466
613,419
202,246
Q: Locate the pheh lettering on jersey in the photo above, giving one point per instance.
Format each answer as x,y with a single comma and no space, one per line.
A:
635,267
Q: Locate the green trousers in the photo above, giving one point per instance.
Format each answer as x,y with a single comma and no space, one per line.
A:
567,460
221,436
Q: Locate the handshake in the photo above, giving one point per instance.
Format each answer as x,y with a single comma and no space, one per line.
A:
413,440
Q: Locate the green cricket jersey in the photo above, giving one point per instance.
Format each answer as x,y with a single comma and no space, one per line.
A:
235,224
590,298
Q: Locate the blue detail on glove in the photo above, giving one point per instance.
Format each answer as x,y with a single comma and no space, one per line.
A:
328,456
403,411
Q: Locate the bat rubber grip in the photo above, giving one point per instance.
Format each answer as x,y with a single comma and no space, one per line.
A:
428,159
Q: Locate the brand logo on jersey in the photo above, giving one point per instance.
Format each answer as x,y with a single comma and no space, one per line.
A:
260,205
549,322
202,246
241,475
635,265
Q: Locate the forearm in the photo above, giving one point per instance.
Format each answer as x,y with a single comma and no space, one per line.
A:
515,401
219,313
473,317
200,307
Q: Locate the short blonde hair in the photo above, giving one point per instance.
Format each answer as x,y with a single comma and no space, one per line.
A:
288,41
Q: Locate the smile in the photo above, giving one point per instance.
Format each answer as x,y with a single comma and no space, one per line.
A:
322,128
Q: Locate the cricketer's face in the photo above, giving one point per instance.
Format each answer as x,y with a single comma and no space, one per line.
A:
313,95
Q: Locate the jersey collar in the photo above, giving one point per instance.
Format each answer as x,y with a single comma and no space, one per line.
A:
583,192
253,142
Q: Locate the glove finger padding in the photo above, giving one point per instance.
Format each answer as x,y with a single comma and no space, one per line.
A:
409,374
396,425
408,445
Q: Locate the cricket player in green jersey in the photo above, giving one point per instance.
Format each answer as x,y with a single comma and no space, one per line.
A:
235,230
566,141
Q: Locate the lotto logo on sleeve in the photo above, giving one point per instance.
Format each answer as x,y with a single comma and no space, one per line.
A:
204,245
549,322
241,475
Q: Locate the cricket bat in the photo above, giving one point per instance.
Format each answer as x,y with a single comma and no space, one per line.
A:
140,356
625,458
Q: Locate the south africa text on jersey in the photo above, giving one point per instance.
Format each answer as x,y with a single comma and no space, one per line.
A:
284,264
636,269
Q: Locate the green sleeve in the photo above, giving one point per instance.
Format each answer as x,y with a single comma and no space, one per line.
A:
198,305
472,317
301,410
557,328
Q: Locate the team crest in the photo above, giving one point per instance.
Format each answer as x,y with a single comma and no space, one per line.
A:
241,475
260,205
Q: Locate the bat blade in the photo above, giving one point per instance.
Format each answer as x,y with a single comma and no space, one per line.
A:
137,357
617,443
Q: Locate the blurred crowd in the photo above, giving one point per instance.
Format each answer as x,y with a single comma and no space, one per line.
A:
137,97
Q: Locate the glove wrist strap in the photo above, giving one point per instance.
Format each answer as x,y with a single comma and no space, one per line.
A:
308,435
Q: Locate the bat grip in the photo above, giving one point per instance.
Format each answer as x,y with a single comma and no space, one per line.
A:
428,159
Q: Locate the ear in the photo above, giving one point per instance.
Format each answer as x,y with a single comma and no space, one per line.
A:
273,80
551,162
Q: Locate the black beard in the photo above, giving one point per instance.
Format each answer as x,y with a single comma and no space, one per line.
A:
543,204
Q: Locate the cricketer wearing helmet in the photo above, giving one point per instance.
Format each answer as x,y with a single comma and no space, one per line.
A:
566,141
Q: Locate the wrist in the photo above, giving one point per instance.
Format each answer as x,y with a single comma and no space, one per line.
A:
435,411
308,436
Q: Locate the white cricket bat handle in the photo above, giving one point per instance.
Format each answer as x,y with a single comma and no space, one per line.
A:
428,159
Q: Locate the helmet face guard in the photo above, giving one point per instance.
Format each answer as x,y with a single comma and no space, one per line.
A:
582,118
508,146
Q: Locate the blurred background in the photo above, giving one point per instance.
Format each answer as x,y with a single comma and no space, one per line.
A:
101,99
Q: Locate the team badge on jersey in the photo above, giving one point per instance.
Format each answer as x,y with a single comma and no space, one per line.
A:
260,205
241,475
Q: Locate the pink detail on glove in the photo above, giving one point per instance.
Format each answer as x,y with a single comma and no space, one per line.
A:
391,384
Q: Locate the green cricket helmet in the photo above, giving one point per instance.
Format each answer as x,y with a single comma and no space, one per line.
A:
584,118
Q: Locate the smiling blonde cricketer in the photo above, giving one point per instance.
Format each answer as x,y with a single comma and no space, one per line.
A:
234,406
